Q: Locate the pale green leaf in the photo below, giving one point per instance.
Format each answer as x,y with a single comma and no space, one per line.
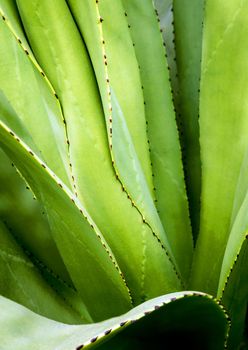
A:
235,297
223,132
166,320
33,99
97,184
95,274
165,14
22,215
171,199
21,281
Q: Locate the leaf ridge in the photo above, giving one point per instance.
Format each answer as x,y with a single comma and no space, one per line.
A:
61,114
73,199
147,134
110,135
232,265
157,306
171,91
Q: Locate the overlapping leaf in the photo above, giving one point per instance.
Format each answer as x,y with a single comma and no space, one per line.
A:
188,19
223,133
88,118
97,183
179,318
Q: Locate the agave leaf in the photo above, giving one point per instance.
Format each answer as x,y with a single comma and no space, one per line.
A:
188,22
10,13
167,316
111,74
97,22
42,119
234,245
162,130
221,118
163,7
18,209
131,106
74,233
164,10
118,64
241,193
10,118
97,184
234,296
233,288
23,214
21,281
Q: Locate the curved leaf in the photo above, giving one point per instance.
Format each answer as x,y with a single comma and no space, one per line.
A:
234,246
74,233
102,35
165,318
235,296
21,281
223,116
233,288
97,184
164,11
168,177
188,22
106,19
42,119
22,215
10,13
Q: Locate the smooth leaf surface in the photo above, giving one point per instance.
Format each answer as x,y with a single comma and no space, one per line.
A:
223,132
204,320
188,23
235,296
232,288
168,178
25,220
96,183
10,12
42,119
21,281
101,37
234,245
74,233
164,11
22,215
89,99
118,64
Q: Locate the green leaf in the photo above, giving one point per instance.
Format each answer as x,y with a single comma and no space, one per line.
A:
234,245
223,133
97,182
11,119
188,22
233,288
43,119
22,215
164,11
171,199
235,296
11,16
75,234
119,66
165,318
21,281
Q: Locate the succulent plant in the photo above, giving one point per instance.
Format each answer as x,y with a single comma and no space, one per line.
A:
123,207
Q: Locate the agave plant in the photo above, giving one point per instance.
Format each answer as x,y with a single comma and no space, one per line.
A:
123,129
